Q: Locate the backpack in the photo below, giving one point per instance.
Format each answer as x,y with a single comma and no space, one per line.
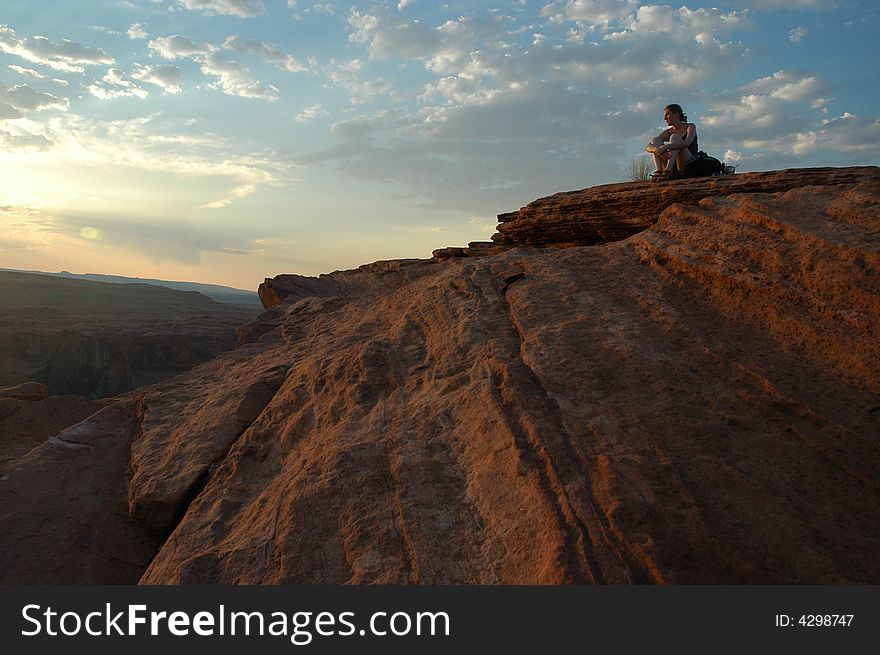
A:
703,165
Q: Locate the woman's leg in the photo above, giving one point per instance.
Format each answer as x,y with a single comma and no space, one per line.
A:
659,161
682,156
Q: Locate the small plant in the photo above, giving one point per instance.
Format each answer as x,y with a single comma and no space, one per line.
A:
640,168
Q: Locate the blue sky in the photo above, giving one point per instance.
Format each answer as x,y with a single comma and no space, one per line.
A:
230,140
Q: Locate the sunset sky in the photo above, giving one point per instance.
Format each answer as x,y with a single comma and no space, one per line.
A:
226,141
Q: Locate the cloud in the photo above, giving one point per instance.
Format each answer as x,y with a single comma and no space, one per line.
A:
116,85
234,79
23,98
845,140
240,8
137,31
30,72
592,12
492,103
24,141
483,156
66,56
322,8
176,47
150,159
443,48
167,77
787,4
349,75
780,121
788,85
8,112
797,34
311,113
271,54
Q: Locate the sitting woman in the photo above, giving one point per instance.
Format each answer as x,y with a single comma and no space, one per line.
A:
673,147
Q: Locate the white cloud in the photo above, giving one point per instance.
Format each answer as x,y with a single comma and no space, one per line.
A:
176,46
234,79
30,72
24,98
311,113
788,85
322,8
167,77
271,54
781,122
442,48
116,85
137,31
403,4
24,141
832,142
158,145
240,8
8,112
797,34
589,11
65,56
350,76
788,4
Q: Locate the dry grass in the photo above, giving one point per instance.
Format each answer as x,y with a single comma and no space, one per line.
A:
640,168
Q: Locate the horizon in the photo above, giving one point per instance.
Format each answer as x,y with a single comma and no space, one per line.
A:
228,141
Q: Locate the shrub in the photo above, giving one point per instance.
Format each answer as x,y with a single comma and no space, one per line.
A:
640,168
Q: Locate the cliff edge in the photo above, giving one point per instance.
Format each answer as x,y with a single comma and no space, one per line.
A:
696,403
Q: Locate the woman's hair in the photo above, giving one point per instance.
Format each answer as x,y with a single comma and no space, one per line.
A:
678,110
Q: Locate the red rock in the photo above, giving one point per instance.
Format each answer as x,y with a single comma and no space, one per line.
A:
31,391
28,423
695,404
612,212
276,289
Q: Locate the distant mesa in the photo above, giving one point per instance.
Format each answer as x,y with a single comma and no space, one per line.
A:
97,339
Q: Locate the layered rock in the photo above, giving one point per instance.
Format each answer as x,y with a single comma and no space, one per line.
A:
612,212
695,404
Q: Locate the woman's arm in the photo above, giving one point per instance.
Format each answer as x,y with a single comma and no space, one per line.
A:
657,142
685,141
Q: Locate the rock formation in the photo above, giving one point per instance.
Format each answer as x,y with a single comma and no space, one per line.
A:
697,403
99,339
29,416
616,211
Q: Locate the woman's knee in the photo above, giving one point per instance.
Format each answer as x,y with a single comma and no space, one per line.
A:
657,141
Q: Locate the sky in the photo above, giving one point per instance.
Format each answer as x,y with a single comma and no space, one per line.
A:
226,141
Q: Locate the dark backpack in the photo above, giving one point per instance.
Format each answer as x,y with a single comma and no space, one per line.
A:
702,166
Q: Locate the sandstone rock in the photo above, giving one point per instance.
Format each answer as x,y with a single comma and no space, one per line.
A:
612,212
28,423
695,404
26,391
273,290
473,249
64,512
